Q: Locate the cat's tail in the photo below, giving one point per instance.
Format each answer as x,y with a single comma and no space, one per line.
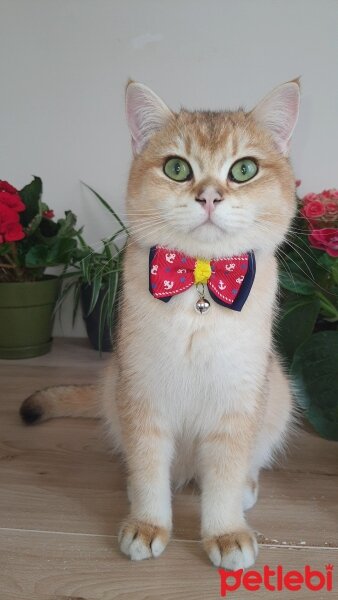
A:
61,401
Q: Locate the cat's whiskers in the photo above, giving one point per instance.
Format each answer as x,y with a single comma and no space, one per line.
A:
135,240
145,226
299,249
295,246
129,243
279,253
96,245
296,249
317,285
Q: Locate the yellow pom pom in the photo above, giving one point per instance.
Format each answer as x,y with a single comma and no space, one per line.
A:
202,271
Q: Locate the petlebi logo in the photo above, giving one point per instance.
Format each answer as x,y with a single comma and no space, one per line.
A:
277,579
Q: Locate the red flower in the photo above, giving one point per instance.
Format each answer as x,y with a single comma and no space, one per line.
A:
310,197
10,197
326,194
314,209
7,187
331,208
325,239
14,232
7,215
10,227
12,201
331,194
48,214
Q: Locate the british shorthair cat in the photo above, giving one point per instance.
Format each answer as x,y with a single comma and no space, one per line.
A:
195,389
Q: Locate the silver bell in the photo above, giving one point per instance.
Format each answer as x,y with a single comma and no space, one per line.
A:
202,305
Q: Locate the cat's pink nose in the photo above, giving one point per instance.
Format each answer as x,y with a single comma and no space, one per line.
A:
209,197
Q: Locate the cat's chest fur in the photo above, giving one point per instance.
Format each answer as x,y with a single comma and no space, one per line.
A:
187,360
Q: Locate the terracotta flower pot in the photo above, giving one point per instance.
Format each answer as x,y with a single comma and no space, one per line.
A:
26,317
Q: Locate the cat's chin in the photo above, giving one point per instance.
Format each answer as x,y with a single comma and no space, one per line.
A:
210,241
208,233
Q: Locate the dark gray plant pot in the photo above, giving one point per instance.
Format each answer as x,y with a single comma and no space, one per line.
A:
92,321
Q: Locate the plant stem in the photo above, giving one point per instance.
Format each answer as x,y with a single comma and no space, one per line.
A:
15,262
327,305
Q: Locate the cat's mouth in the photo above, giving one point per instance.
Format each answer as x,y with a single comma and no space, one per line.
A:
208,223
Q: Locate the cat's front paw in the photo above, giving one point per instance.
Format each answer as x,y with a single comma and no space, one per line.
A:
140,540
237,550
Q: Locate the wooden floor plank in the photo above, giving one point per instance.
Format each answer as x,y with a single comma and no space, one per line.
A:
65,351
63,497
60,476
48,566
70,493
61,479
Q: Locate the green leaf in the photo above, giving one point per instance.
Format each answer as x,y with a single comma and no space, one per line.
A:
60,252
67,225
76,300
112,293
314,370
33,225
103,317
4,249
85,266
327,261
296,283
334,271
78,255
107,206
329,309
30,195
36,256
107,251
96,287
305,262
296,324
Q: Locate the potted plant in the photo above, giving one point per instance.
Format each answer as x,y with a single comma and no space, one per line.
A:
95,281
30,241
307,333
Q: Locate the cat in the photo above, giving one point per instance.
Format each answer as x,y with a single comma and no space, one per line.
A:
196,389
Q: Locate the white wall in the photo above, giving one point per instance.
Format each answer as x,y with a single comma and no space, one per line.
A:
64,64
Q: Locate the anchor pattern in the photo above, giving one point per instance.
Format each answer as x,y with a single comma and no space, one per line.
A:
170,257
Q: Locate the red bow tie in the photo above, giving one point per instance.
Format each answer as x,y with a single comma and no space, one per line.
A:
229,280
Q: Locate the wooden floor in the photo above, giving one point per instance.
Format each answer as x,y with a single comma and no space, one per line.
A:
63,496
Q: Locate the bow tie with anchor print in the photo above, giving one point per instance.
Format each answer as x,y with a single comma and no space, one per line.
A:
229,280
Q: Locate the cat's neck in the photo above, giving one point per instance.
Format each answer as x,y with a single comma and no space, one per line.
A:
198,251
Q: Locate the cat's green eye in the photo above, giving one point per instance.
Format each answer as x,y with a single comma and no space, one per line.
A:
177,169
243,170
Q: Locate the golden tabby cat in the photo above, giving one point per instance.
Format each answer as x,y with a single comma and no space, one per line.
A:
197,391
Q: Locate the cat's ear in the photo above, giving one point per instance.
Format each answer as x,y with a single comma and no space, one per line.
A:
146,114
278,113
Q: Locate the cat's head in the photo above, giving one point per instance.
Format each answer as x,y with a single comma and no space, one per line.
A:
211,184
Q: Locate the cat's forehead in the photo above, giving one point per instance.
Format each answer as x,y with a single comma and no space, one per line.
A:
212,138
